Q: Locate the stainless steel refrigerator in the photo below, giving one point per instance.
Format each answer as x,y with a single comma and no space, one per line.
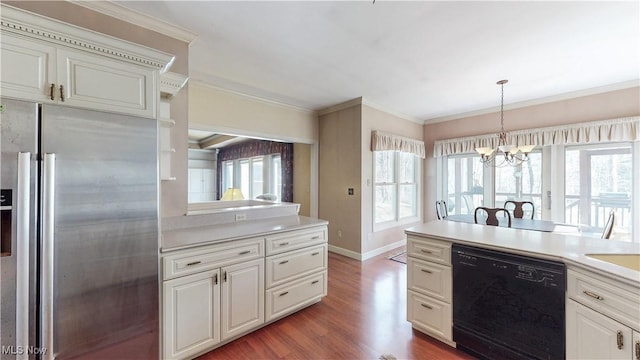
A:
79,234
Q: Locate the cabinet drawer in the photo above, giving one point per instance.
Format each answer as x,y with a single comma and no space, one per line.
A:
430,279
293,240
429,315
282,268
210,257
617,300
429,249
287,298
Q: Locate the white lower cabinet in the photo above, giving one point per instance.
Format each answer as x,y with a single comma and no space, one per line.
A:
191,314
429,287
603,317
242,297
216,293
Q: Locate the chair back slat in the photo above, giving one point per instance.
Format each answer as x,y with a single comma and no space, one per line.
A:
518,208
441,209
492,215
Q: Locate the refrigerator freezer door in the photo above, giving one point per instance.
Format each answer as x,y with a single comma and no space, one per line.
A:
104,272
18,121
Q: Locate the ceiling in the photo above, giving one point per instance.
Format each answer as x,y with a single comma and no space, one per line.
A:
426,60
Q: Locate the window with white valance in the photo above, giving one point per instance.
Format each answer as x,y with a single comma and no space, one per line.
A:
381,141
622,129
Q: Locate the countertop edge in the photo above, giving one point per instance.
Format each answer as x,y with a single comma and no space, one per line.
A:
571,250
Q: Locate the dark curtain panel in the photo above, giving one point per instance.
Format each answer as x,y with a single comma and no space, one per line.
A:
259,148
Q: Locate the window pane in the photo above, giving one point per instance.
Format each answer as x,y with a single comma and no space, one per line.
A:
464,184
244,179
276,171
406,168
227,176
521,183
407,201
598,179
384,167
257,178
385,200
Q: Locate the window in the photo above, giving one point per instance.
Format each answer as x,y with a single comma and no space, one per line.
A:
396,178
521,183
254,176
598,179
465,184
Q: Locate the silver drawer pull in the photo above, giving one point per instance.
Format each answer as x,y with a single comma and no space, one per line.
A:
620,340
194,263
317,281
426,271
315,237
427,306
245,252
637,350
426,251
315,253
593,295
284,243
284,262
284,293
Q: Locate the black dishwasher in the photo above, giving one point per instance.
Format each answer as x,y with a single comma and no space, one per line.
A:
508,306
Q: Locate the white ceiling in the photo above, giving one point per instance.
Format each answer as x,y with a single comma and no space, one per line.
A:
426,60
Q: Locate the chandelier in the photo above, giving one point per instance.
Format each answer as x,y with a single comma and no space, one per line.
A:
504,154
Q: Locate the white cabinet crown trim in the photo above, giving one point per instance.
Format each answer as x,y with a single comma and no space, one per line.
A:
171,83
35,26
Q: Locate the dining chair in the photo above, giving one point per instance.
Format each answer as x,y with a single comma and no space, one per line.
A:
492,215
608,227
518,208
441,209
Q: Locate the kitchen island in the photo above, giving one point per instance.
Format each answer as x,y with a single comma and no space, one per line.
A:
602,298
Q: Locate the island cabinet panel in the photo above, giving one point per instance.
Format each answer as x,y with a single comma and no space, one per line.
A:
603,317
429,287
213,294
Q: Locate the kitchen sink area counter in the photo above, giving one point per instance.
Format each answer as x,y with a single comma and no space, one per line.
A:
600,306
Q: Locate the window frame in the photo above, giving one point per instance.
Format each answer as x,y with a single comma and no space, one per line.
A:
417,182
269,176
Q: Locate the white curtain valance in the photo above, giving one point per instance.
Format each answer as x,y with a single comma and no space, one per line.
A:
622,129
381,141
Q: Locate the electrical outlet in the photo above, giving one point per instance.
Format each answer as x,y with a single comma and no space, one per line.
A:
350,191
241,217
339,233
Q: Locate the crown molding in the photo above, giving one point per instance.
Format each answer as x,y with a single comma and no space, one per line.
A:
253,97
112,9
27,24
362,101
539,101
170,83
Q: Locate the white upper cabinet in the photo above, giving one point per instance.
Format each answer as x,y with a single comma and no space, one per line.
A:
46,60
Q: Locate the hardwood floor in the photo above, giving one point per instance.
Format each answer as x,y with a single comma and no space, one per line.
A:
363,317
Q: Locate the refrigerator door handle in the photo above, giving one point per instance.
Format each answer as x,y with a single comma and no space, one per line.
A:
46,289
23,212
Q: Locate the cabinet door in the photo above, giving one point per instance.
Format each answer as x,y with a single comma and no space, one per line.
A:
242,297
191,314
28,69
101,83
591,335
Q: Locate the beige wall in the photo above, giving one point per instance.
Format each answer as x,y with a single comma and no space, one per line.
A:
171,192
611,105
215,109
374,119
339,169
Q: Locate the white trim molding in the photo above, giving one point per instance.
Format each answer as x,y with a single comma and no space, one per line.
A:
170,83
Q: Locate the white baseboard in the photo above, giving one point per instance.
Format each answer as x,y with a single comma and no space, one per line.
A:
369,254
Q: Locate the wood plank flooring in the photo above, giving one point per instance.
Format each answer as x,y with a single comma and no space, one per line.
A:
363,317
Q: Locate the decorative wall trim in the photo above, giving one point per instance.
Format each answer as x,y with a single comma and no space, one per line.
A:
27,24
362,101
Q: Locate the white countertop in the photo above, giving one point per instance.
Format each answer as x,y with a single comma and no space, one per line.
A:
569,249
203,235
